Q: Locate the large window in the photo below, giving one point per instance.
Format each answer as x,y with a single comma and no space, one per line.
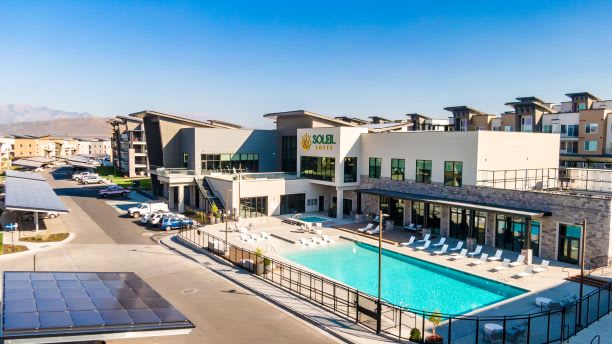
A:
569,147
590,146
292,203
459,223
569,130
591,128
418,213
569,243
510,233
398,167
289,153
374,171
480,225
453,173
350,170
423,171
318,168
526,124
434,214
253,207
247,162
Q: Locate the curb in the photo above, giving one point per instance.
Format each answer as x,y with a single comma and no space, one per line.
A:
39,247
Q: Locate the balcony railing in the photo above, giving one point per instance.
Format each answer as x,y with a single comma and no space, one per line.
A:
166,172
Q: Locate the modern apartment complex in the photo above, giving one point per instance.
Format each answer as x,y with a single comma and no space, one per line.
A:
94,146
44,146
7,152
129,146
343,169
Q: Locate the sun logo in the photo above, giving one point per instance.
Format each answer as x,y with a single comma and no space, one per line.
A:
306,142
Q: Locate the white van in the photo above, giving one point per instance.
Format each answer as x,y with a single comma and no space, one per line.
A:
147,208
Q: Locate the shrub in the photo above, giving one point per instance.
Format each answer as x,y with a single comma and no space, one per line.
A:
415,335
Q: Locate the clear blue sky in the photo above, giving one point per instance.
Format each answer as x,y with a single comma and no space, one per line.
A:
236,60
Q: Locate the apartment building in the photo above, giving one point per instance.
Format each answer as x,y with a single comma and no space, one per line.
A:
94,146
7,152
344,169
128,146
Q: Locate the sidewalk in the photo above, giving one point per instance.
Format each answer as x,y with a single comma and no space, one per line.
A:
341,328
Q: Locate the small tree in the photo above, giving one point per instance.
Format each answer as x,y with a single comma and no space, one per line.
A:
435,319
214,209
415,335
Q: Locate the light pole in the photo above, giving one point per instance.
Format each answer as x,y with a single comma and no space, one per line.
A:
378,306
582,249
227,212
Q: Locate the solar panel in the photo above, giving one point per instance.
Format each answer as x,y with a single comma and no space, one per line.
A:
24,175
37,304
27,163
30,194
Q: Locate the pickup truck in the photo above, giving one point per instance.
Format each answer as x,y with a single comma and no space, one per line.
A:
147,208
91,180
80,175
170,223
113,190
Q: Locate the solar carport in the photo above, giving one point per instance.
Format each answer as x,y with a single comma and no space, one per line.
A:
53,307
81,165
31,192
27,163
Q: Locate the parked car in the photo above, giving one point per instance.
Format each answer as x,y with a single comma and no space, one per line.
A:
39,169
170,223
41,215
148,208
80,175
59,163
113,190
155,218
91,180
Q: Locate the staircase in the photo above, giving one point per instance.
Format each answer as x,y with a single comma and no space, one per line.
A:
590,281
208,194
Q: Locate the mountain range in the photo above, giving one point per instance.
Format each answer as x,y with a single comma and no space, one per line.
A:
19,119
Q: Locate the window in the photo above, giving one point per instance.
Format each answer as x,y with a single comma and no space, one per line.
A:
508,128
582,106
526,124
350,170
185,159
397,169
590,146
254,207
318,168
248,162
569,147
569,130
418,213
453,173
374,171
591,128
423,171
289,153
547,128
434,214
463,124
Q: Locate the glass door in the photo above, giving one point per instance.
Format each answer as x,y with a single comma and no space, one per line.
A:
396,211
569,243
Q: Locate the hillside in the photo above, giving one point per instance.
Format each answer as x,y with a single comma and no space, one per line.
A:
15,113
73,127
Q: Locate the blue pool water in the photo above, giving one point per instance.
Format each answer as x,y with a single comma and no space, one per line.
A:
406,281
313,219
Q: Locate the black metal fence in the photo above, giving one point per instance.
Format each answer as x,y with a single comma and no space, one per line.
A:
555,325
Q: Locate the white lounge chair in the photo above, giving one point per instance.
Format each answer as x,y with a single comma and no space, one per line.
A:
457,248
476,252
440,243
425,239
366,228
504,265
519,261
316,240
460,255
328,239
265,235
424,247
482,260
528,271
374,231
497,256
408,243
306,242
410,227
245,237
543,267
442,251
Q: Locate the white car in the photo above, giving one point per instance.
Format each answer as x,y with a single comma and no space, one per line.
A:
59,163
39,169
41,215
79,176
91,179
148,208
146,218
159,216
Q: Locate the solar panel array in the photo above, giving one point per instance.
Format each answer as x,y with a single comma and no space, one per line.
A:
27,163
24,175
71,303
25,191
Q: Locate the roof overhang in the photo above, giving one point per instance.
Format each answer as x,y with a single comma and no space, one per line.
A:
302,113
495,208
148,113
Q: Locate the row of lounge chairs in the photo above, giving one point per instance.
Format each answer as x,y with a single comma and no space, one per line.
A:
249,237
458,252
369,229
316,240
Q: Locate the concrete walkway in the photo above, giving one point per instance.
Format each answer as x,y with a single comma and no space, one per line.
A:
603,328
342,328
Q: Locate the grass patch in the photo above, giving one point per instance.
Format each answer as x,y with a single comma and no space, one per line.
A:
53,237
8,248
116,178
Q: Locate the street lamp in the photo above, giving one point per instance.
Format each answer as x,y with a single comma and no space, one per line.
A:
378,306
582,249
227,213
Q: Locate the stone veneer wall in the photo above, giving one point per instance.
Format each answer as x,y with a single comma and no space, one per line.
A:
564,208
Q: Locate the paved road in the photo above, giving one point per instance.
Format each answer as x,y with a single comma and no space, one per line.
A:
105,241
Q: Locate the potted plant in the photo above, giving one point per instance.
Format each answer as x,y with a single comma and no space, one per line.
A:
435,319
214,218
259,263
267,265
415,335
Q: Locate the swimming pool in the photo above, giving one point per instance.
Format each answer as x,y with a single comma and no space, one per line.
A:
406,281
313,219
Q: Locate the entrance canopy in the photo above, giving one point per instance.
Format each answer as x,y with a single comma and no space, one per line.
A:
53,307
494,208
30,192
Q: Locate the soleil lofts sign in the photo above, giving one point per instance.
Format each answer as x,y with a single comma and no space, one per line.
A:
318,142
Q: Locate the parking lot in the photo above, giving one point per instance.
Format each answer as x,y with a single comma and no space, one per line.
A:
107,240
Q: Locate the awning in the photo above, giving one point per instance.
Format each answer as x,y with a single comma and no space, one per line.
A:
30,192
27,163
494,208
53,307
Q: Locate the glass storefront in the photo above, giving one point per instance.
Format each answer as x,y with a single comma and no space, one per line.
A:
292,204
253,207
319,168
510,233
394,207
289,153
248,162
466,223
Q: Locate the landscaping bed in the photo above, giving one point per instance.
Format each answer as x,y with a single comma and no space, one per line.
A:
53,237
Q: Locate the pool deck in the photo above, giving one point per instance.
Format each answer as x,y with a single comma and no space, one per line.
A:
550,284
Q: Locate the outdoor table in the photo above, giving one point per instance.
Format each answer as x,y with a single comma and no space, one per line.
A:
542,302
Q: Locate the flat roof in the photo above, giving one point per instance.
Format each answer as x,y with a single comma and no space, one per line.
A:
27,163
75,306
30,192
531,213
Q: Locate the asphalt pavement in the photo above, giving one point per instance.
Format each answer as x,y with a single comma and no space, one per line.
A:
108,241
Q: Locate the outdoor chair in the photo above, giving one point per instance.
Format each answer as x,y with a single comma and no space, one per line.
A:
328,239
476,252
366,228
305,242
498,256
442,251
457,248
408,243
528,272
460,255
482,260
543,267
424,247
518,261
440,243
504,265
374,231
425,239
